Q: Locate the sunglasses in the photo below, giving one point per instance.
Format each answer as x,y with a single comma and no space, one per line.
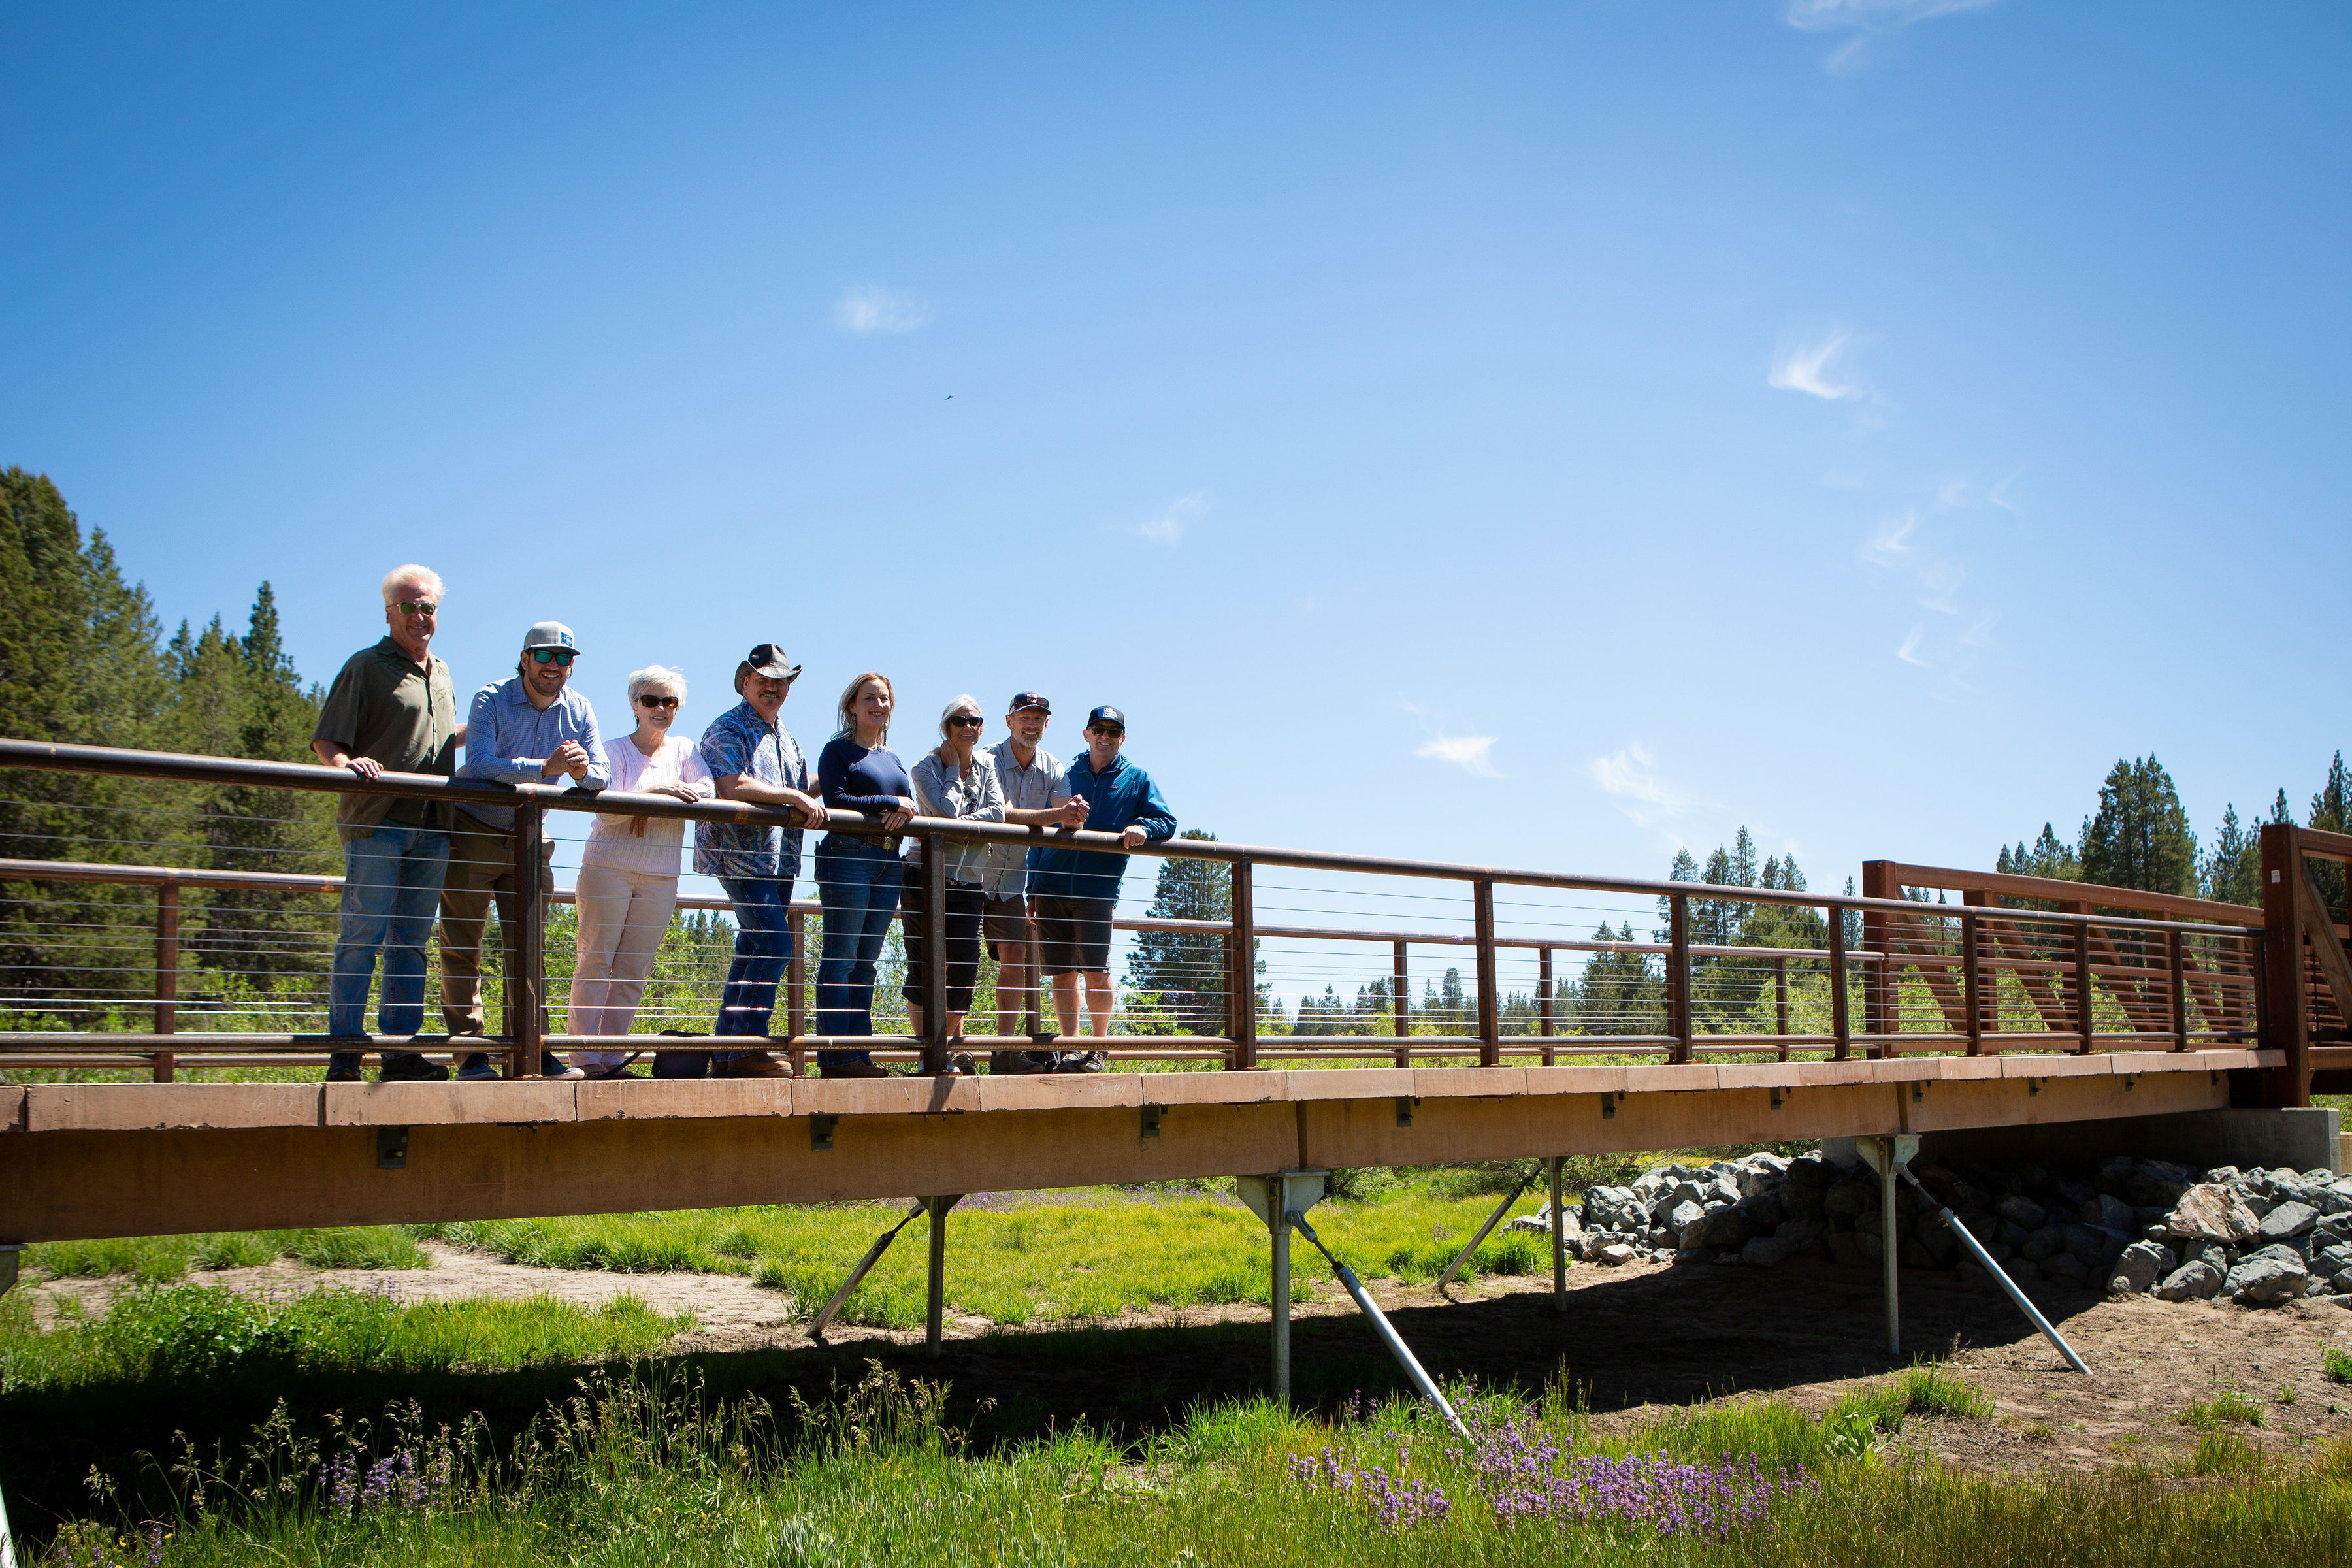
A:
415,606
966,721
560,656
658,701
1104,729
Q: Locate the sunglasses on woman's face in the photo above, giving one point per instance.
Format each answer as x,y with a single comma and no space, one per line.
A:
966,721
559,657
658,701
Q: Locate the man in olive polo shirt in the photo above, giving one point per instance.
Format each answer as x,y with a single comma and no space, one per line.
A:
390,709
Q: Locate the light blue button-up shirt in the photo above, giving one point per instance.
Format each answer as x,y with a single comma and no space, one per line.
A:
508,740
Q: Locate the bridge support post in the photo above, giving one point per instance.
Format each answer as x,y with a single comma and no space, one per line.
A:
1883,1155
1558,1243
1275,1199
935,1298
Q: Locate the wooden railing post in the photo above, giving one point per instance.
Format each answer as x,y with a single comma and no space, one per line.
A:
2178,953
1678,995
1543,1003
1400,1004
167,976
935,962
1972,985
1490,1015
2083,1028
796,984
1840,1014
1241,968
527,991
1780,1003
2288,1026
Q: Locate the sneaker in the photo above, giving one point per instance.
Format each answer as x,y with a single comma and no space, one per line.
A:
959,1065
344,1067
855,1069
407,1066
476,1069
1083,1061
758,1064
552,1066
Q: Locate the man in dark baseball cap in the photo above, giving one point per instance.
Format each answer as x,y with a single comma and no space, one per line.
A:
1074,892
1037,794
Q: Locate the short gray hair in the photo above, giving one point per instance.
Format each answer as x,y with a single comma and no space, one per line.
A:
653,675
423,577
961,704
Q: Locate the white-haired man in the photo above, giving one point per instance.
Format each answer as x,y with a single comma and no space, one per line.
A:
390,709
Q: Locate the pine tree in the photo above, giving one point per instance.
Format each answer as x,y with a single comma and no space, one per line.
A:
2331,811
2233,869
1186,969
2140,837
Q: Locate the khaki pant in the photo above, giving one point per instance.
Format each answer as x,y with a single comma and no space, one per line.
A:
482,872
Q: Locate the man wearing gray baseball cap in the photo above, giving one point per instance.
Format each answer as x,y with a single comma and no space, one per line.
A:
527,730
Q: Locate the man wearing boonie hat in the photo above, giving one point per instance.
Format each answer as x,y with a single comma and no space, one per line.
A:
753,758
1074,892
527,730
1037,794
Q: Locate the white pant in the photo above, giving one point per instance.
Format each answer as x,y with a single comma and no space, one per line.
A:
623,915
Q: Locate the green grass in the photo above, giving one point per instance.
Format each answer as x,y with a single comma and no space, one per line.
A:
639,1470
190,1332
159,1259
2337,1367
2228,1407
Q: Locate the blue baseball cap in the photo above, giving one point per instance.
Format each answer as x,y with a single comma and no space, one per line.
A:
1109,716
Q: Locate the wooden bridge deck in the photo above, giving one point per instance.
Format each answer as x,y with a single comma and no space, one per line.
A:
83,1161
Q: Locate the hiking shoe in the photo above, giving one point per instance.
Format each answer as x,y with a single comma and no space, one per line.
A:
344,1067
407,1066
959,1065
758,1064
1083,1061
476,1069
1002,1064
552,1066
854,1069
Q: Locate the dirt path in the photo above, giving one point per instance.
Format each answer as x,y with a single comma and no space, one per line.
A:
1639,1337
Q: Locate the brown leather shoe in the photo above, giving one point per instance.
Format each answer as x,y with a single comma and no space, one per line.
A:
758,1064
855,1069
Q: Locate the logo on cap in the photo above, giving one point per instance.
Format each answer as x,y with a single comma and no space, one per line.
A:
549,633
1107,715
1030,700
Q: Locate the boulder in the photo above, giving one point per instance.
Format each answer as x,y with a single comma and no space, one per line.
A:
2157,1184
1850,1201
1811,1171
2065,1266
2047,1242
1804,1202
1763,1212
1723,1226
2212,1213
1611,1208
2022,1212
2290,1218
1770,1251
2142,1263
2266,1281
2116,1215
1682,1218
2195,1280
2114,1176
2221,1173
1614,1253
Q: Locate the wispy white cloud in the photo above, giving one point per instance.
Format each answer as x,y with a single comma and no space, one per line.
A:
1999,496
1909,652
873,309
1866,20
1892,543
1805,365
1170,526
1631,780
1472,753
1942,580
1980,635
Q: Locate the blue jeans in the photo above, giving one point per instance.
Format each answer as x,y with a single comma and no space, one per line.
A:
392,884
857,882
763,946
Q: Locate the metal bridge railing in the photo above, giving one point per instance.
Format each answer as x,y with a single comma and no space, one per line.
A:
1980,979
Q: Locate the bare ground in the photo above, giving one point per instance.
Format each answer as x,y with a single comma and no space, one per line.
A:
1635,1338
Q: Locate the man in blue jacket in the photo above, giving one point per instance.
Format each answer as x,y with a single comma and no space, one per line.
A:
1072,891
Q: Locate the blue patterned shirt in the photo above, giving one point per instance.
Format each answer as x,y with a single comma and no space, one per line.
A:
739,742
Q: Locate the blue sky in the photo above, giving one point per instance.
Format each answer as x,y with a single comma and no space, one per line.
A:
1542,435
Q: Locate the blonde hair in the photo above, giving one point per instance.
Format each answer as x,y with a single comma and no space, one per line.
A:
966,703
423,577
654,675
849,703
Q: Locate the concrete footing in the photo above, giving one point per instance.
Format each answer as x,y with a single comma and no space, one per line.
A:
2300,1140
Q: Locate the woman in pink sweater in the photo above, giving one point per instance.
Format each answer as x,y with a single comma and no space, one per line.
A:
628,872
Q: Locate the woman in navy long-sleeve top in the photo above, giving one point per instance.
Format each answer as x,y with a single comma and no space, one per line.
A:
858,879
